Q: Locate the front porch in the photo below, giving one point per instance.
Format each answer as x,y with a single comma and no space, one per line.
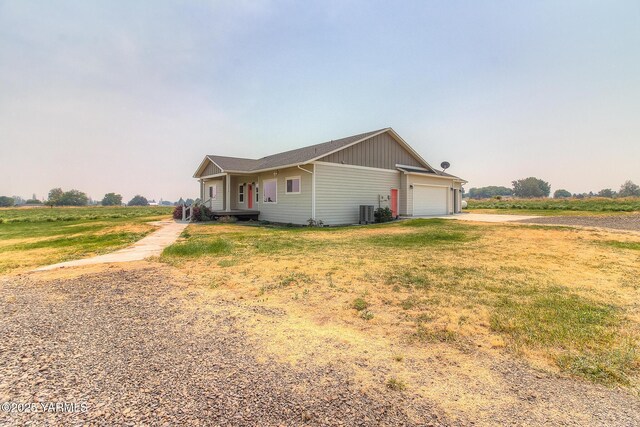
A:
229,194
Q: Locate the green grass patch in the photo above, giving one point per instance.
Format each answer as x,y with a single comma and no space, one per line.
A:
410,302
359,304
395,384
593,204
408,278
585,336
87,213
426,232
224,263
555,318
40,236
425,222
294,278
634,246
430,238
80,242
615,366
198,247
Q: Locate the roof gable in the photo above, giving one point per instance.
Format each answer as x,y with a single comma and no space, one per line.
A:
312,152
381,151
304,155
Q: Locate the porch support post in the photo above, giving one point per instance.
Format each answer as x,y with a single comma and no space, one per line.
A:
227,206
313,193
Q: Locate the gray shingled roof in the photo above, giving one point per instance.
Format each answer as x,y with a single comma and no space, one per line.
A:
292,157
424,172
233,163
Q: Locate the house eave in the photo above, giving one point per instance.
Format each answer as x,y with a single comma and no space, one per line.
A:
449,178
215,175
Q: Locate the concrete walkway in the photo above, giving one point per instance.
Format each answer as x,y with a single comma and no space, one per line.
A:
152,245
488,217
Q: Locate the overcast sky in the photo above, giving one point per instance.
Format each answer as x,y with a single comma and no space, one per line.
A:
128,96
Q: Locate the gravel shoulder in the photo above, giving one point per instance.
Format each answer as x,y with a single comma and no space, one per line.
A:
133,345
614,222
141,346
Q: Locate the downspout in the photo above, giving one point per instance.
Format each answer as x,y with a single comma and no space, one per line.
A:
313,189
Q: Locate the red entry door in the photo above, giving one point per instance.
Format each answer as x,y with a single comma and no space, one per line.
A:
250,204
394,202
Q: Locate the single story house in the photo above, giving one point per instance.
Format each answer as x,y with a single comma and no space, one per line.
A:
329,182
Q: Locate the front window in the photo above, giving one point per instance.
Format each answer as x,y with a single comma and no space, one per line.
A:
213,192
241,193
257,194
270,191
293,185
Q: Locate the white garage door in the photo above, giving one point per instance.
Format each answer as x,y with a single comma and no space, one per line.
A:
429,200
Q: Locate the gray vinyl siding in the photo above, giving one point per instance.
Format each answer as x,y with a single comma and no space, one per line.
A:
381,151
340,190
290,208
217,204
211,169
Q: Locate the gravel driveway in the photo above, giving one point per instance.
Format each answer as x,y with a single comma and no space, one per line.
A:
133,347
140,347
616,222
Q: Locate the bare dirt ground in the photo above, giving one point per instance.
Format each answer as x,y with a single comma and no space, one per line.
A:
142,346
615,222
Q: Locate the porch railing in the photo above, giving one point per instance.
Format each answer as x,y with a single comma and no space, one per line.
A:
187,213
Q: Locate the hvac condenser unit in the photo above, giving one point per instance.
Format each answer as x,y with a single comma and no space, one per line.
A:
366,214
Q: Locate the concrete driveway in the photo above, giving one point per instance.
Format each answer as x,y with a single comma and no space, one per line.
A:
488,217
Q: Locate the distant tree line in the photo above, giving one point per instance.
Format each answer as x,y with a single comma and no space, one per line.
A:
59,197
534,188
489,192
111,199
6,201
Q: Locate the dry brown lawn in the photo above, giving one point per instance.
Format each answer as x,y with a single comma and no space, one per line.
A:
466,297
485,320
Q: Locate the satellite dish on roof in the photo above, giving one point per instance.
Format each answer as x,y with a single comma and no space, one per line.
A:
444,166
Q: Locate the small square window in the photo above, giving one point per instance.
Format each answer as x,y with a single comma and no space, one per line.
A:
293,185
